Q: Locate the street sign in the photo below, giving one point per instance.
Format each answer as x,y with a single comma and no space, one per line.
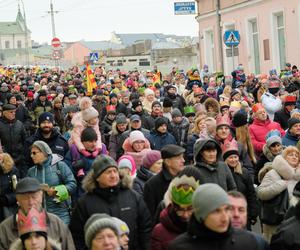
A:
56,55
55,42
185,8
94,57
232,38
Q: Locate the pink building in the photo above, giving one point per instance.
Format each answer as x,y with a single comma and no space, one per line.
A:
75,53
269,31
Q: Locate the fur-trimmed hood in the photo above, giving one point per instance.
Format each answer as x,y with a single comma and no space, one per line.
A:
282,167
89,184
266,168
128,147
212,102
267,153
114,130
17,244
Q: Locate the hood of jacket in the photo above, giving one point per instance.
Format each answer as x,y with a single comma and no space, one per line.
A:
212,102
18,245
199,144
267,153
171,222
283,168
115,131
128,147
266,168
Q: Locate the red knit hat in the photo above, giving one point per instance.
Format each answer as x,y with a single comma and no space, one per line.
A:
29,94
257,107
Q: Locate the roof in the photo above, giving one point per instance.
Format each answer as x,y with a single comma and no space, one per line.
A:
101,45
129,39
42,51
11,28
165,45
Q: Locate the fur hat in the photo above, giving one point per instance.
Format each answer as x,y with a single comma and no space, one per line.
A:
89,113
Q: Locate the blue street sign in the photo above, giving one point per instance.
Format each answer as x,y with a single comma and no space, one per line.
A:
185,8
231,38
94,57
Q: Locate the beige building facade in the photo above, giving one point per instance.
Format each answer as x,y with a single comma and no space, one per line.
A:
269,31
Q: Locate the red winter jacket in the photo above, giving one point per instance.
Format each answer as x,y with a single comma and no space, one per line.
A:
258,131
165,232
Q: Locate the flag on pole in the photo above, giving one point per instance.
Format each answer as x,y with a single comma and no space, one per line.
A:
90,80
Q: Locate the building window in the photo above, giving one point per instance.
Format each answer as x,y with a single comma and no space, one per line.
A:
144,63
19,44
132,60
254,45
7,45
281,39
210,50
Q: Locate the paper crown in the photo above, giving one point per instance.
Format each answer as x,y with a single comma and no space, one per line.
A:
224,104
290,99
183,189
257,107
110,108
222,120
274,83
198,91
189,110
34,221
235,104
229,148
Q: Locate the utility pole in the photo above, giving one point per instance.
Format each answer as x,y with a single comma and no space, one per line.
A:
26,35
52,19
219,30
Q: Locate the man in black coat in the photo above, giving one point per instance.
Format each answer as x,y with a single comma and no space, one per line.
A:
12,136
209,227
287,235
106,194
48,134
283,115
155,188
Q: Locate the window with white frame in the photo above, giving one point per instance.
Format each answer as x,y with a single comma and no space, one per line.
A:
254,45
280,39
210,50
7,45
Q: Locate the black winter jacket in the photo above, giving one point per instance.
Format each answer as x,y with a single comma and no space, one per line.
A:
282,117
142,175
155,189
119,202
12,136
200,237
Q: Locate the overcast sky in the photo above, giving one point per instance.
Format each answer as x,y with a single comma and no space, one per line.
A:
94,20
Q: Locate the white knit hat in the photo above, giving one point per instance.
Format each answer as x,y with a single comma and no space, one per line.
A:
148,92
136,135
89,114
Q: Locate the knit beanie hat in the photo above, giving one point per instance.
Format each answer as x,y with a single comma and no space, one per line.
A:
148,92
88,134
240,118
272,137
95,224
155,103
292,122
43,146
125,163
101,163
89,114
167,103
160,121
234,92
206,199
150,158
113,95
121,119
136,135
46,116
176,113
121,226
136,103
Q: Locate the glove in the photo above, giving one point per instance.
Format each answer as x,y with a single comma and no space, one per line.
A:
96,152
85,153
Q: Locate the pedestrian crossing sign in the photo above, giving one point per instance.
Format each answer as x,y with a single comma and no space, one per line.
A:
232,38
94,57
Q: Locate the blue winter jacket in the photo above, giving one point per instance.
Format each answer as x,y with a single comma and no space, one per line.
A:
289,140
54,171
158,140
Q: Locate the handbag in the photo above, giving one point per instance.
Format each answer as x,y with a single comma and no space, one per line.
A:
274,210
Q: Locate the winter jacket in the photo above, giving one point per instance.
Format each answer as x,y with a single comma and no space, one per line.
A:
120,202
78,126
23,116
7,190
287,234
142,176
167,230
190,146
155,189
59,119
266,157
282,117
245,185
177,101
106,127
199,236
56,229
55,172
41,107
120,109
18,244
258,131
114,145
180,131
159,140
282,176
143,115
12,137
217,173
57,143
289,140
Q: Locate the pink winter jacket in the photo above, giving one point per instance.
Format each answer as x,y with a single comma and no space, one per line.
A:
78,126
258,131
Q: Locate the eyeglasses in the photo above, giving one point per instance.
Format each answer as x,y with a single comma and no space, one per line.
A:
34,152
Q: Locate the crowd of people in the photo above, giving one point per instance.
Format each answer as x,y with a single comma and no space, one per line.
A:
149,161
